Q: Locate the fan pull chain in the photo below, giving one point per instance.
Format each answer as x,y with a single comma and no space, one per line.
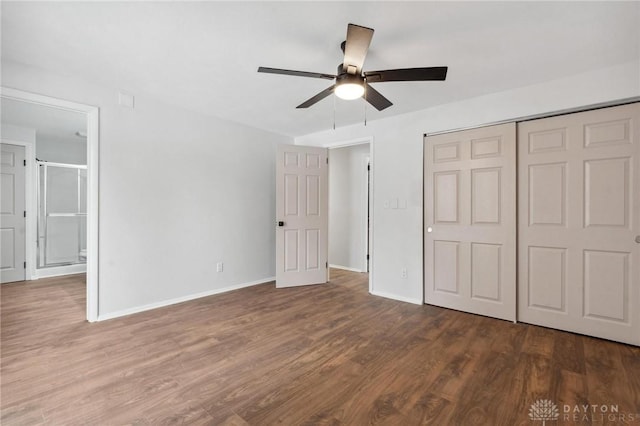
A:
334,111
365,102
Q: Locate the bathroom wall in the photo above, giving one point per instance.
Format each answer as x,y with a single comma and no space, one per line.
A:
55,150
347,207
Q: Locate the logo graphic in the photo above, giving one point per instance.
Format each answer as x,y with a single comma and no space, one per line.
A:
543,410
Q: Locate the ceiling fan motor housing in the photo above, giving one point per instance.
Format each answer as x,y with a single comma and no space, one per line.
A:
349,79
342,76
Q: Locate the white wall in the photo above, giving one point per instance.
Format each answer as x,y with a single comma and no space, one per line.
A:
47,148
347,207
398,156
17,133
179,192
61,151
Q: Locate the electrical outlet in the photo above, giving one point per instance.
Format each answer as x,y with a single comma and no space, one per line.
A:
219,267
403,273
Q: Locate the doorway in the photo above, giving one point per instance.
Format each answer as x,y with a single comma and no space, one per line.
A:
350,207
87,220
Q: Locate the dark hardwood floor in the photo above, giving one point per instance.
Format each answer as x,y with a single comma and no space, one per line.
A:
329,354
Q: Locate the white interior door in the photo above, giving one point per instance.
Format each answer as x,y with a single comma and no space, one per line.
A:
470,221
12,213
579,223
302,211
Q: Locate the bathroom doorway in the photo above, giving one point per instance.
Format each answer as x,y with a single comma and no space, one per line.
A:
350,222
61,185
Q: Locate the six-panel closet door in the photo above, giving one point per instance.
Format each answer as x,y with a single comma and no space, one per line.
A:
578,216
470,221
579,223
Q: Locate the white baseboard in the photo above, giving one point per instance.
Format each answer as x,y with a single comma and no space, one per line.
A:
56,271
346,268
396,297
155,305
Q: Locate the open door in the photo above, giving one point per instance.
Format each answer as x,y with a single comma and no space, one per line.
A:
302,211
12,214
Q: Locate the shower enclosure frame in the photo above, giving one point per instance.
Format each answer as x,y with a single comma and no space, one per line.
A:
43,210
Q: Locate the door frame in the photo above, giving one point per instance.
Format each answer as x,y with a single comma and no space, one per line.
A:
29,205
367,211
93,157
369,235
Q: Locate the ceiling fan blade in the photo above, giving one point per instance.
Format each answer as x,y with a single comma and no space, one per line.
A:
375,98
296,73
320,96
407,74
356,48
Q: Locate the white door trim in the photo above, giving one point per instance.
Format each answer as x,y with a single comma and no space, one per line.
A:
366,210
93,157
350,142
371,213
29,205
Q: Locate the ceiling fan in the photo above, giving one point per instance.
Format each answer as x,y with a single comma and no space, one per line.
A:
351,82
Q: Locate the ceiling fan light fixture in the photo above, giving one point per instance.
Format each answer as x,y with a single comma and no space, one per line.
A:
349,91
352,82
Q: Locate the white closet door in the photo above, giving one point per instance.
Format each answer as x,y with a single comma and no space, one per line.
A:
470,221
579,223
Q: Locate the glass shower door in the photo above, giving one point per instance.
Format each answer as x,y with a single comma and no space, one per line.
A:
62,220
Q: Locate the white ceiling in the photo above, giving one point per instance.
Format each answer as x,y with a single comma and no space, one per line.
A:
203,56
50,124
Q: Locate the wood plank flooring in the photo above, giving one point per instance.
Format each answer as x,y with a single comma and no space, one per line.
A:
319,355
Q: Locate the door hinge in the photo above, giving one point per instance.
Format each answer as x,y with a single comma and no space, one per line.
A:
368,166
367,257
25,265
24,163
326,265
25,213
327,160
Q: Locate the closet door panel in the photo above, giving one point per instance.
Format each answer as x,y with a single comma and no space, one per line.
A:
470,200
579,214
